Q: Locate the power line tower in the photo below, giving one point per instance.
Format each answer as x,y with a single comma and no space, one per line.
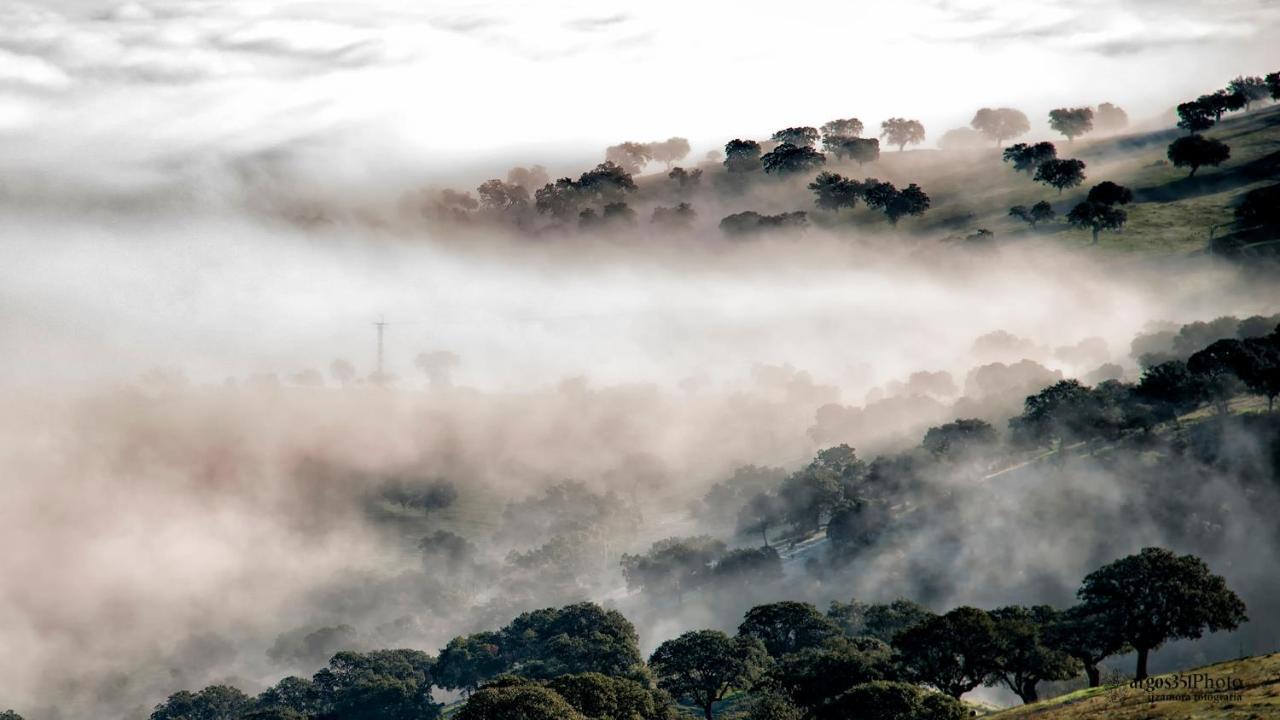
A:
381,324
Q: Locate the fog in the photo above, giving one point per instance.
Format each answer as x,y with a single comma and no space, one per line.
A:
205,209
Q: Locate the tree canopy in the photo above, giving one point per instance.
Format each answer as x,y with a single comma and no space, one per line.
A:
1000,124
902,132
1196,151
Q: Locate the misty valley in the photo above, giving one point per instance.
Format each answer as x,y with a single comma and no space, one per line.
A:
336,385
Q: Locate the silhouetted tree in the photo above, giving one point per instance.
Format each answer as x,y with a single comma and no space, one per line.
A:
902,132
1027,158
606,183
497,195
1036,214
1097,217
1110,118
1084,636
788,627
954,652
1250,89
788,159
742,156
1109,193
1000,124
1155,596
703,666
835,191
1024,657
1273,85
798,136
1194,151
1172,386
1194,116
1060,174
1219,102
1071,122
560,199
895,203
860,150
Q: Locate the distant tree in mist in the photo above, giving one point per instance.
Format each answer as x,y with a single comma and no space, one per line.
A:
497,195
342,372
309,377
798,136
895,203
704,666
954,652
763,511
669,151
1071,122
1000,124
959,438
741,156
1155,596
672,567
1111,118
860,150
788,159
684,180
1196,151
630,156
961,138
1096,217
1109,193
1220,102
745,569
1027,157
438,366
1195,117
834,191
902,132
616,213
530,178
1034,215
846,128
1060,174
679,217
1250,89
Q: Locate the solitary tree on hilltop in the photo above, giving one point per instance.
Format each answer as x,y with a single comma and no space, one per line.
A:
1156,596
1060,174
703,666
1194,151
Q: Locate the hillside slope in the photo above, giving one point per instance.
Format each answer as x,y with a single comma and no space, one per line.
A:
1257,696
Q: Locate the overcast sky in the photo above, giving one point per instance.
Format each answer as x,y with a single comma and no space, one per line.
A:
452,81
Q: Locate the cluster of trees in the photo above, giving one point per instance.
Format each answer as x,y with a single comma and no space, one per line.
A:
1070,412
791,660
1196,116
835,192
633,156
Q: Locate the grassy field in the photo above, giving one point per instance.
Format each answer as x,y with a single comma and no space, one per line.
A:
1257,699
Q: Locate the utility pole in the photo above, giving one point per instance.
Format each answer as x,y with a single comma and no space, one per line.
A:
381,324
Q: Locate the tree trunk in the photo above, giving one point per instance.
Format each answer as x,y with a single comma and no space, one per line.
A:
1095,675
1141,674
1095,236
706,709
1194,168
1028,692
764,534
